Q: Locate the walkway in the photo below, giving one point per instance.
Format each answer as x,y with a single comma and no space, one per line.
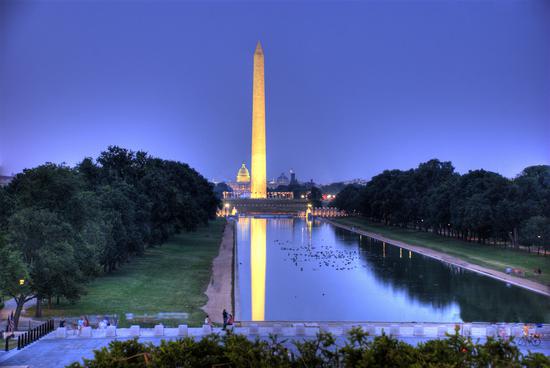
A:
220,286
527,284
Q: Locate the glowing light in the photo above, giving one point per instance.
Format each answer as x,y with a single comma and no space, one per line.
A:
257,267
258,183
22,282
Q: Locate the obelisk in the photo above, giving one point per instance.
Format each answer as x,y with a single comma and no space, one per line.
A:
258,185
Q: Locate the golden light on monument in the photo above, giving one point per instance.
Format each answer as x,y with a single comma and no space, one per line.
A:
258,228
258,184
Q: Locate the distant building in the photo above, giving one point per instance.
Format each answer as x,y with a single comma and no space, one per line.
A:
272,184
356,182
240,187
282,180
293,179
5,180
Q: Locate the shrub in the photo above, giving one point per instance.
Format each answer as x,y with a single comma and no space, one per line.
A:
358,350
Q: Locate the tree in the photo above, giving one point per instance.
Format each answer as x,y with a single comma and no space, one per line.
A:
14,277
348,199
535,231
66,224
45,243
315,196
478,206
220,188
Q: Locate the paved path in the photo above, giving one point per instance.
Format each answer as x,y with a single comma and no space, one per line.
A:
52,352
524,283
220,286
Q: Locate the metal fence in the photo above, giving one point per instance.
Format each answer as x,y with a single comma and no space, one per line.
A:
33,334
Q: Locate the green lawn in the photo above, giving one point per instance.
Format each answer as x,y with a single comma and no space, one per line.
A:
497,258
170,278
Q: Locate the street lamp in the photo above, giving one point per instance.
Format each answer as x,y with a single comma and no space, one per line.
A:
21,282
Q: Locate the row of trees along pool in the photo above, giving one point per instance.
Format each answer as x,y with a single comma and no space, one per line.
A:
479,206
62,226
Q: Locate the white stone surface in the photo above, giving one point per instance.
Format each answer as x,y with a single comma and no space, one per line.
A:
430,331
158,330
253,329
134,331
479,332
300,329
110,331
418,330
86,332
61,332
183,330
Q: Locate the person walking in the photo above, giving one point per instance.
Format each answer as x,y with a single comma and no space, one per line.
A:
225,316
207,320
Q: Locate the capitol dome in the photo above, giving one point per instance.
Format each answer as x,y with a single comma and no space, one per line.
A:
243,176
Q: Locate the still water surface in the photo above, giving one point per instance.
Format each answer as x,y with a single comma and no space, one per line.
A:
290,269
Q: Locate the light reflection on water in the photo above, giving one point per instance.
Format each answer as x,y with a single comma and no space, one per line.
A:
289,269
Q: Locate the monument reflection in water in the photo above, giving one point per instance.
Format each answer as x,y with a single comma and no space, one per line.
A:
289,269
257,267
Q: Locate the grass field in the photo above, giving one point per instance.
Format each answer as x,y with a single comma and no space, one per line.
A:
170,278
497,258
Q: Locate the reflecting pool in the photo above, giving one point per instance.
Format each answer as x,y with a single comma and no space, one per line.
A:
290,269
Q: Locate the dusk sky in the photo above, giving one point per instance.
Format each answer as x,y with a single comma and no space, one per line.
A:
352,88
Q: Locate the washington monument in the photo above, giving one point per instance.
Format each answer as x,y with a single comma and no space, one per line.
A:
258,185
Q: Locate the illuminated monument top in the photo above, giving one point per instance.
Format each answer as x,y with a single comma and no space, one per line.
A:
249,193
258,183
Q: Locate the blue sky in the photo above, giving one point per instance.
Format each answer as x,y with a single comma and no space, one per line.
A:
352,88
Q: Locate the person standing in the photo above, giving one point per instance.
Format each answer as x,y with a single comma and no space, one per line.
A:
80,325
225,316
230,321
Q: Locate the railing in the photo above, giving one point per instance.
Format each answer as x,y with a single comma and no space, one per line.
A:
7,342
34,334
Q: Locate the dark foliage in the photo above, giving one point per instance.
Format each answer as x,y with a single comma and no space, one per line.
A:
478,206
63,225
357,351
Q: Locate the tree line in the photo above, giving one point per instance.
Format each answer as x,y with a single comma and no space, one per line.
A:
62,226
479,206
